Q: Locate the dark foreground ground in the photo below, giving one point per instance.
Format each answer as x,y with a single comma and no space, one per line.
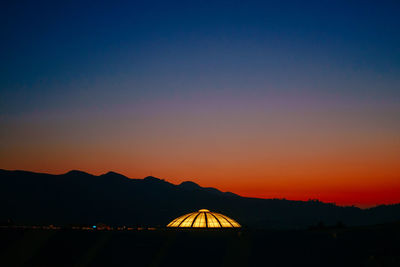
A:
366,246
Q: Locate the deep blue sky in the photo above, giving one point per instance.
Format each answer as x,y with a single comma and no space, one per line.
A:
48,46
303,80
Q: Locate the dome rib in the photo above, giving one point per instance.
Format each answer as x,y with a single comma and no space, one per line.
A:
226,219
216,219
195,219
204,219
188,215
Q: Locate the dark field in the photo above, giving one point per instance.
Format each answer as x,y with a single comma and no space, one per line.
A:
366,246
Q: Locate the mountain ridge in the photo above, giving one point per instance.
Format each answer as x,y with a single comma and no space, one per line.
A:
80,197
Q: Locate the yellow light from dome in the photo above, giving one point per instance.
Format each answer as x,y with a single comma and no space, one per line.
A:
204,219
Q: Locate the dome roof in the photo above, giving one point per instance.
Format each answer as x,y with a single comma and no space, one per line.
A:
204,219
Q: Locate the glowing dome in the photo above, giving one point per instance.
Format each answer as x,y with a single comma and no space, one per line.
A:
204,219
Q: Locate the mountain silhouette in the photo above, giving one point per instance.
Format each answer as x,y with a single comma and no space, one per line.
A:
78,197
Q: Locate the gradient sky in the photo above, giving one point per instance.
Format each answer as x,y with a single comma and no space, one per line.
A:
293,100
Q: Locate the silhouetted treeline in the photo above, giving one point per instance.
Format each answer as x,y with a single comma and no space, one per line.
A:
79,197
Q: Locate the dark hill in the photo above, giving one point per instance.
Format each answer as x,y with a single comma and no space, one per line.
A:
79,197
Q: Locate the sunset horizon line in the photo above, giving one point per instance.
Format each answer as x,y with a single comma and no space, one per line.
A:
193,180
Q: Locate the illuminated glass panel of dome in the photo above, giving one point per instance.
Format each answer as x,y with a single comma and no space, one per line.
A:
177,221
235,224
200,220
204,219
212,222
222,220
188,221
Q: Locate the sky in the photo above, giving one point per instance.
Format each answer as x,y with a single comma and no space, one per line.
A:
273,99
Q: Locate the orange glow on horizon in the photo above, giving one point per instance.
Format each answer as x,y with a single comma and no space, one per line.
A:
348,163
359,191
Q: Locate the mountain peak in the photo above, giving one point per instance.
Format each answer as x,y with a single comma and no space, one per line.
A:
76,172
67,198
152,178
114,174
189,185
